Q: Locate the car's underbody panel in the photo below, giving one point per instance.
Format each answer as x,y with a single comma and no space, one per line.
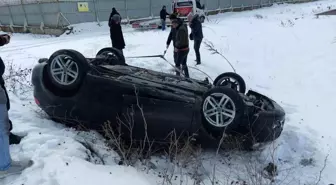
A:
156,84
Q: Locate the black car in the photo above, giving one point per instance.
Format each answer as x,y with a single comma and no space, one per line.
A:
88,92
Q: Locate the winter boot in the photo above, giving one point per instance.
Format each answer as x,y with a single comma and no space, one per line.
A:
185,70
16,168
177,70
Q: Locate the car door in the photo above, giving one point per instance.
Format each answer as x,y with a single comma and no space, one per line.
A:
162,117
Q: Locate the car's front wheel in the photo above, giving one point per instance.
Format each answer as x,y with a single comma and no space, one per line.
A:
67,69
231,80
222,111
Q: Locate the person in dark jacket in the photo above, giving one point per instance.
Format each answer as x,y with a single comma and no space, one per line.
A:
163,16
196,34
181,46
116,33
172,34
13,139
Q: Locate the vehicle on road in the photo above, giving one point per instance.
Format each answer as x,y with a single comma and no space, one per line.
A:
88,92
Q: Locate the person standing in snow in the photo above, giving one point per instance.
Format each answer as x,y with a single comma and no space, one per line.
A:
172,34
13,139
7,166
163,16
116,33
196,34
181,46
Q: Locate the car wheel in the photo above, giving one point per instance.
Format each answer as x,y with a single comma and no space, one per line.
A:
202,19
222,110
232,80
67,69
111,53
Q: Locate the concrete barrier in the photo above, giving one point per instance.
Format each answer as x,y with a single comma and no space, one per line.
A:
34,30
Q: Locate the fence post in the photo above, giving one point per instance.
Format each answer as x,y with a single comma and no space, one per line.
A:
96,13
150,8
126,10
11,24
42,17
25,23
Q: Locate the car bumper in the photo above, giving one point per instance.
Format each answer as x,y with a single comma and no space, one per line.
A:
268,125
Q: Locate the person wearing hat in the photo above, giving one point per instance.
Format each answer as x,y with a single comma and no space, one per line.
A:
116,34
179,35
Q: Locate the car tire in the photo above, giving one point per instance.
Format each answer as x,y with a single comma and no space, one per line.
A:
217,101
116,56
232,80
75,72
202,19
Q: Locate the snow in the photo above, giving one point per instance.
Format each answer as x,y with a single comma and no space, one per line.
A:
283,51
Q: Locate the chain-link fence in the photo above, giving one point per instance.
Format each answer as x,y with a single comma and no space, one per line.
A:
58,13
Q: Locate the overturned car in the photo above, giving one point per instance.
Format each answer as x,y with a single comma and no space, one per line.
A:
88,92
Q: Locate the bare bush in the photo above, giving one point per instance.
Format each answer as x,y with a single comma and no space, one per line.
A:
129,149
258,16
187,163
17,79
287,23
213,50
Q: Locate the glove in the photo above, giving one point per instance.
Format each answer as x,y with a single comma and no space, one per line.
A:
191,37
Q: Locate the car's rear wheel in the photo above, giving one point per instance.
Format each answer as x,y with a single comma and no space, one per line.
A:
231,80
222,110
113,56
67,69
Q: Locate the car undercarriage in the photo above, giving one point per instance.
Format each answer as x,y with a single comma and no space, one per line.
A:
104,88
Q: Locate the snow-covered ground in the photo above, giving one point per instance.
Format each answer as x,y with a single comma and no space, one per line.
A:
284,52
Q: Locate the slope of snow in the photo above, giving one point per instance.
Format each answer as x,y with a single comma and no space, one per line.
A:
284,52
